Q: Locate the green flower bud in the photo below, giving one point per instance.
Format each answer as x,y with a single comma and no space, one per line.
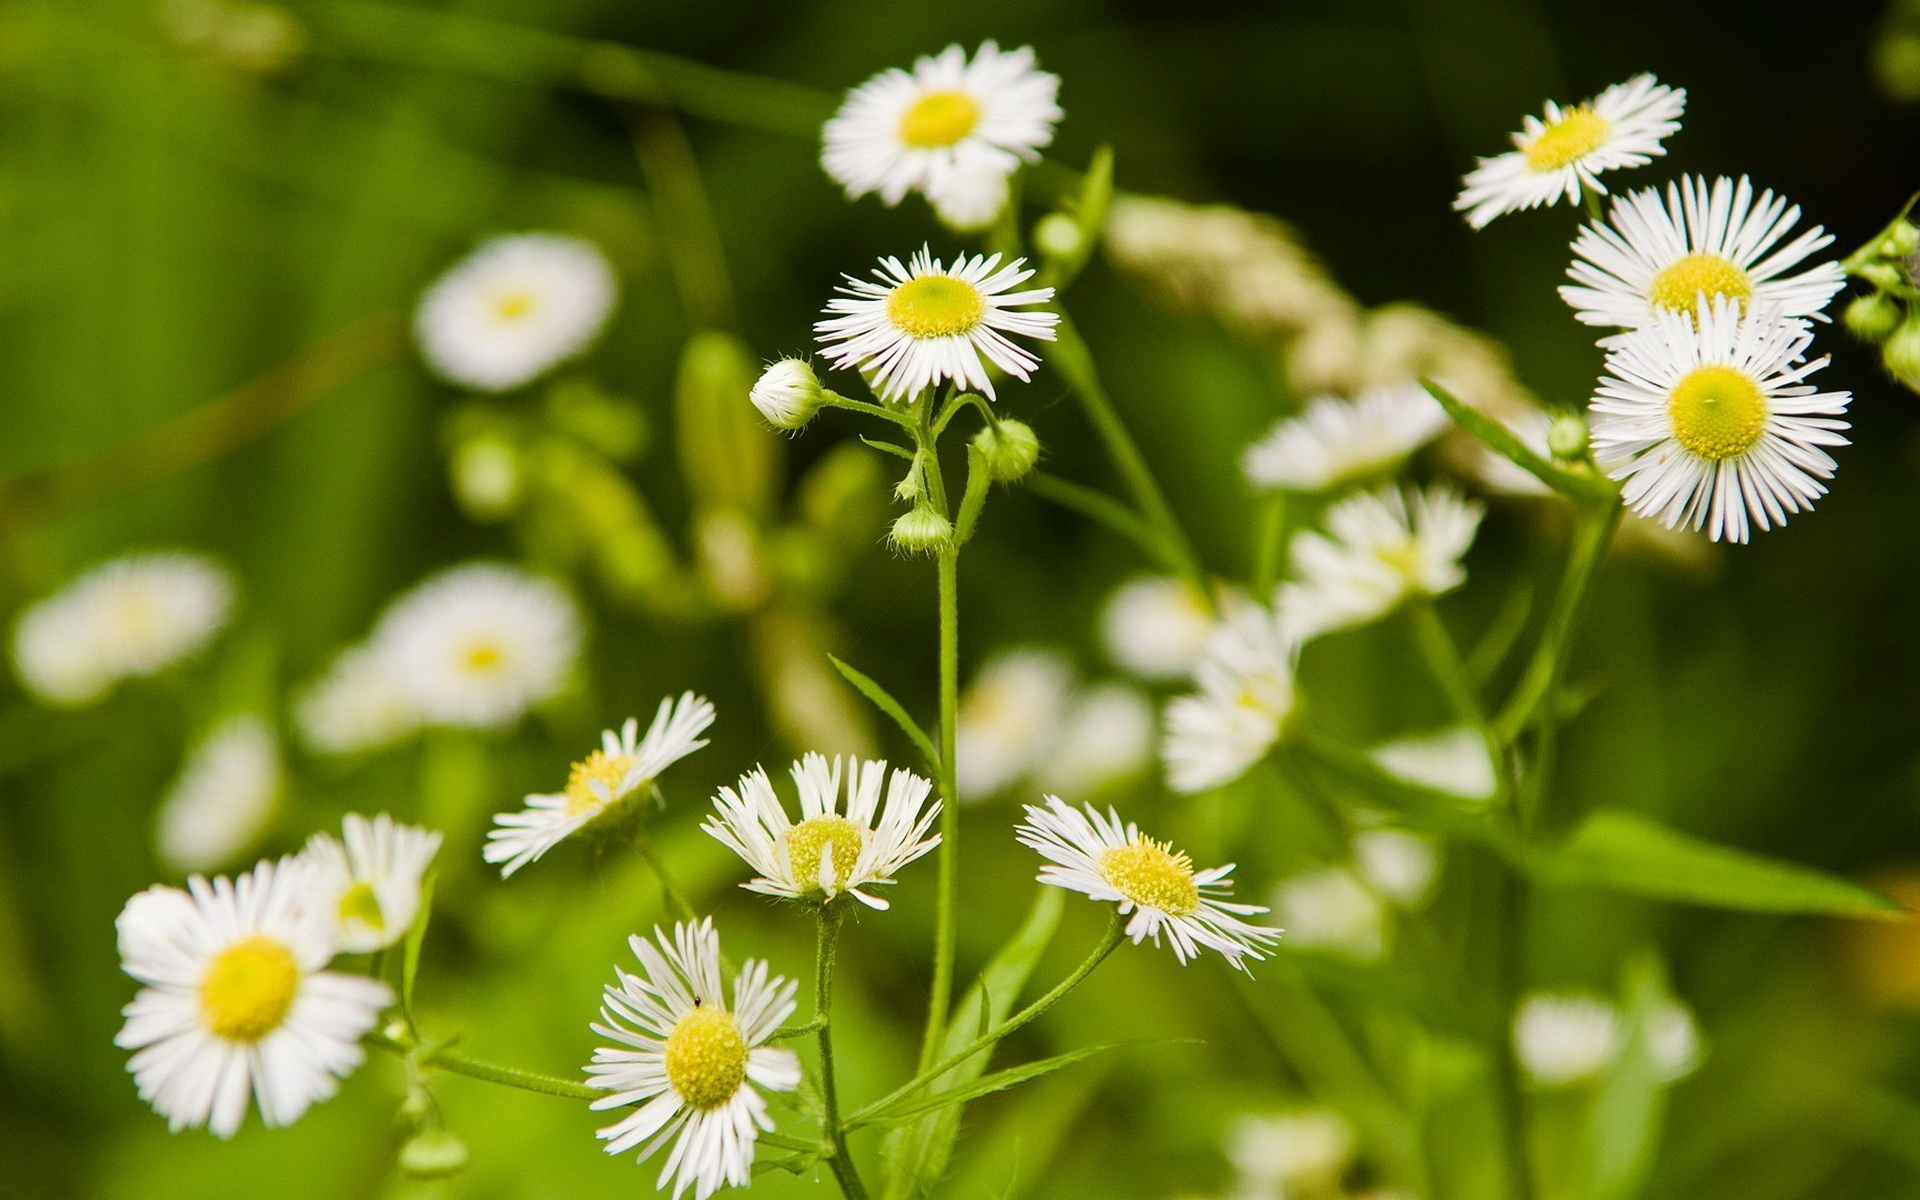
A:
486,477
1873,317
1567,436
787,394
1903,239
1902,351
433,1154
1881,274
1010,449
1059,236
921,531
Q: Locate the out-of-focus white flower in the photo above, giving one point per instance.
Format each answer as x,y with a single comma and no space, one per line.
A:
1106,740
1396,864
513,308
1381,547
358,705
221,802
1565,1038
950,129
1330,908
370,883
1245,696
1334,442
477,645
1156,627
1283,1154
1453,760
1009,717
125,618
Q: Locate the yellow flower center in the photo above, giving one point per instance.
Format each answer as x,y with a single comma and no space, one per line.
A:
1679,286
939,119
1152,875
249,988
511,306
1403,558
706,1057
1718,413
835,836
483,657
608,770
1577,133
362,905
935,306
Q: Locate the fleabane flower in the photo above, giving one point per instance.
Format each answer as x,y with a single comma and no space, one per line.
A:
235,999
513,308
917,323
1557,155
787,393
126,618
1658,253
477,645
1245,694
1380,548
1112,861
951,129
1334,441
369,879
1009,717
223,798
1156,627
1565,1038
1708,422
356,706
600,784
694,1066
829,852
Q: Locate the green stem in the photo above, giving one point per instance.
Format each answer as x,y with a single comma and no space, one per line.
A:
473,1068
1590,539
827,925
670,892
1116,931
1444,660
833,399
1269,550
1070,355
1510,979
946,922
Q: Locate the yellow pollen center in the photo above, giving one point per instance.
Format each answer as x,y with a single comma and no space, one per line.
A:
482,657
362,905
609,770
1404,558
706,1057
835,836
1575,135
1679,286
511,306
1152,875
939,119
1718,413
248,989
935,306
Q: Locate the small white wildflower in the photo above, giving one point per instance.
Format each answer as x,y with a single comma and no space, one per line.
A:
513,308
225,795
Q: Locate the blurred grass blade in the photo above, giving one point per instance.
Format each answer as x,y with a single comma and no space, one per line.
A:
888,705
1630,853
996,1082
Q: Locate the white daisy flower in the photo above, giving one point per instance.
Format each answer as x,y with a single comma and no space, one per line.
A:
1304,1152
1558,156
1380,548
1009,717
358,705
919,323
599,784
126,618
1156,627
1396,864
1114,862
1331,908
1334,442
1714,426
1717,240
224,796
1453,760
828,853
1245,696
1565,1037
477,645
371,884
514,307
694,1066
1106,740
950,129
235,998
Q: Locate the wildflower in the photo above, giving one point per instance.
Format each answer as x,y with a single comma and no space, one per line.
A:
1564,1038
235,1000
513,308
1303,1152
1713,425
356,706
695,1066
225,794
1246,694
1334,442
950,129
599,784
1008,718
1398,866
1105,739
1558,156
829,852
1114,862
1156,627
371,883
1381,547
919,323
1332,908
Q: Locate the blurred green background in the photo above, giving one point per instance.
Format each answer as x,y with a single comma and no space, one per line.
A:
180,217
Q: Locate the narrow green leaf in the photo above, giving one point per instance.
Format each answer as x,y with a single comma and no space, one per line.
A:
1096,194
888,705
996,1082
1631,853
410,954
888,447
1507,444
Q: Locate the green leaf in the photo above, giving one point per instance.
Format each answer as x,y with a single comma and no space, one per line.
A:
996,1082
410,954
1096,194
919,1153
1507,444
1631,853
888,705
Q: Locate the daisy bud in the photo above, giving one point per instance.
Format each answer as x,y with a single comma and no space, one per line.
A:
486,478
1902,351
787,394
1010,449
921,530
1059,236
1903,239
1873,317
433,1154
1567,436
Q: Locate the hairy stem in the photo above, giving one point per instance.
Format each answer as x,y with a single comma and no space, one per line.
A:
473,1068
825,948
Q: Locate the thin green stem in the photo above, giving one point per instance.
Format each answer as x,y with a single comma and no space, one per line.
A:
1510,972
1116,931
946,922
1444,660
1269,549
1590,539
826,945
670,892
833,399
473,1068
